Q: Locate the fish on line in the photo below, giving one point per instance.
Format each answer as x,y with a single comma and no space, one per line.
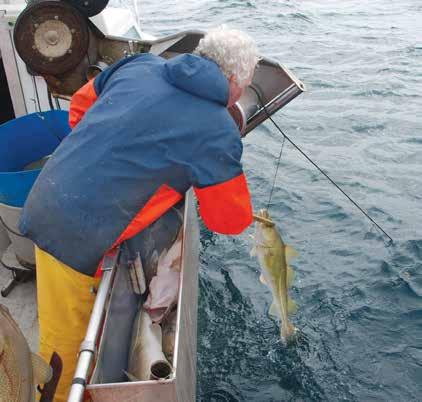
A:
274,256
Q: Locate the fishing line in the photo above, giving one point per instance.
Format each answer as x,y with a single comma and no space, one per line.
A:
285,137
276,171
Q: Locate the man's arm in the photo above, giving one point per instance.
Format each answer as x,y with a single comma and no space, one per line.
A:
226,207
220,184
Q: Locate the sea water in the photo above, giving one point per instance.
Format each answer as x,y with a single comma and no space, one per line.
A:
360,302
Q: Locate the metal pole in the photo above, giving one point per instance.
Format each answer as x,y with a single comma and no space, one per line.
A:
87,350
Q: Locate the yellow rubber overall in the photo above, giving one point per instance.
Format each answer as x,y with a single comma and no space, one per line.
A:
65,302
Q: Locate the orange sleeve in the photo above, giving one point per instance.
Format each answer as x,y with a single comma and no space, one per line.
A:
226,207
81,101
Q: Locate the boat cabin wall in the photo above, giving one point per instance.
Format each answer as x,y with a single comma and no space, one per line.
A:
6,111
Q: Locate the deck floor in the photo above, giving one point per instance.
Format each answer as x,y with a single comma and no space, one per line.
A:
22,305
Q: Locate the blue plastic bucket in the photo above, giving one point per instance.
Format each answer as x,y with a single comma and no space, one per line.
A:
25,140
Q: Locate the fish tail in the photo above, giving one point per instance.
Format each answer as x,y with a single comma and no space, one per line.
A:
290,276
287,331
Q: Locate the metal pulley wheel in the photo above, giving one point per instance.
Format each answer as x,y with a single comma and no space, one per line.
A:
51,37
89,8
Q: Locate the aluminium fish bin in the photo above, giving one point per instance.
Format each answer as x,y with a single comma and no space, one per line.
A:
25,140
108,383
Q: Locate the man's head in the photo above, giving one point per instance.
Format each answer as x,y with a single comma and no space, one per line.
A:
236,54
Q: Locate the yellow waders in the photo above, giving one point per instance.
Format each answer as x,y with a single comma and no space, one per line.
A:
65,303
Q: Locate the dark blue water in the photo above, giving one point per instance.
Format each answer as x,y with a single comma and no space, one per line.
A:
360,303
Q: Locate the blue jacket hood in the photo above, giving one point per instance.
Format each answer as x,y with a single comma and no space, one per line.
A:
198,76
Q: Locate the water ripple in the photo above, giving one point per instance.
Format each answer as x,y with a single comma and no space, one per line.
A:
360,303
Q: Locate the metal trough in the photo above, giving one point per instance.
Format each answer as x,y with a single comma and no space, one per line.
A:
111,325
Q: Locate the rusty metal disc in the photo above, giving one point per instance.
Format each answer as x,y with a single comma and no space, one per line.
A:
89,8
51,37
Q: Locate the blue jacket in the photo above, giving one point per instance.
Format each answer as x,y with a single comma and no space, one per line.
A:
145,131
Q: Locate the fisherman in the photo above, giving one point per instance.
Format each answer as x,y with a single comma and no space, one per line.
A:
144,131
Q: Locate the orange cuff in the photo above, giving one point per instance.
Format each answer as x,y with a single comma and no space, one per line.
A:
226,207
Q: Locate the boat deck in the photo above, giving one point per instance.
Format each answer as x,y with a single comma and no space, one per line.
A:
22,304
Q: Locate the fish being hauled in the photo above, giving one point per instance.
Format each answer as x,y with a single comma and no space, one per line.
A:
273,256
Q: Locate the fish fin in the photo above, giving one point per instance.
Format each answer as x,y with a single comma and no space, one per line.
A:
291,306
290,253
253,251
273,311
41,369
262,279
290,276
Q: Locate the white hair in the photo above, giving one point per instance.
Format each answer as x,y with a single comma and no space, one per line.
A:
234,51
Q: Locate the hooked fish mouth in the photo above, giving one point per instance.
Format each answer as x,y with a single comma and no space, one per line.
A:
263,218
